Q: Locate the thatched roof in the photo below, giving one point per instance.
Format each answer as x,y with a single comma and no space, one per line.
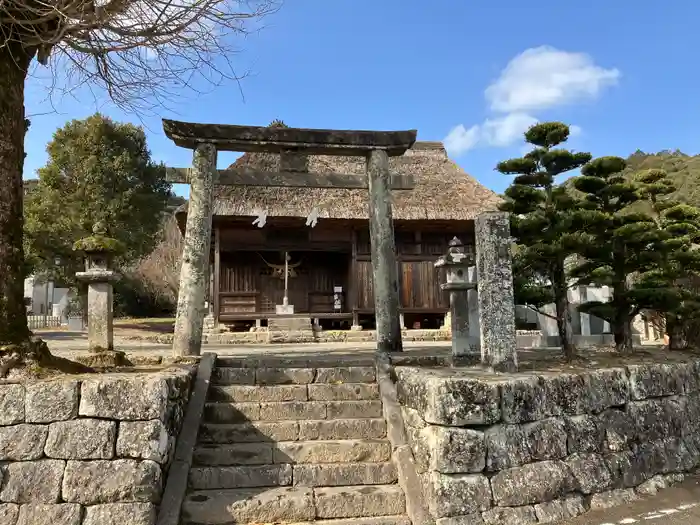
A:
443,190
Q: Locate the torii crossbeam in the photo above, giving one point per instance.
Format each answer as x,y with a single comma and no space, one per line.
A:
207,139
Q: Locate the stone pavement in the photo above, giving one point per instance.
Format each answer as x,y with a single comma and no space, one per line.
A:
679,505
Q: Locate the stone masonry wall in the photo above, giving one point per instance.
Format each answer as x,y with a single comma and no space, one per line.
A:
543,447
89,450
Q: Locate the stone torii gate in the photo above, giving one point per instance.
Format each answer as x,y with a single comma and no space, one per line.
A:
291,143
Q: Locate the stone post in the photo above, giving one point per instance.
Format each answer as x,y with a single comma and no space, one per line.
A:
457,264
384,260
496,302
99,252
194,275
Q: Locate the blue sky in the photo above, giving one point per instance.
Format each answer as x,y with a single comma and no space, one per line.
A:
474,74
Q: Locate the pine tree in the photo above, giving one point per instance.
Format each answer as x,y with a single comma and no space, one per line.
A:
541,212
670,287
618,244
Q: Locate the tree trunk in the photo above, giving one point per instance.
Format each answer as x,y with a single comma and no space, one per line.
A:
561,304
622,330
676,336
14,62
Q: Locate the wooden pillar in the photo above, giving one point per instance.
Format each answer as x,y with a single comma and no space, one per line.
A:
195,254
384,260
217,274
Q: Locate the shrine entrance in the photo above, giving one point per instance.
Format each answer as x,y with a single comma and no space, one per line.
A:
293,145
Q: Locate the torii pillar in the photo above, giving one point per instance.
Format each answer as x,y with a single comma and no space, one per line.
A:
206,139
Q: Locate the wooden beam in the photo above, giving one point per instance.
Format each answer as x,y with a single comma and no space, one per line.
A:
248,177
227,137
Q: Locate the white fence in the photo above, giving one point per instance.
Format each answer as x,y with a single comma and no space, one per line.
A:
41,321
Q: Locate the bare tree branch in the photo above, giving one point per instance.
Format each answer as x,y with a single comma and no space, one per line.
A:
141,52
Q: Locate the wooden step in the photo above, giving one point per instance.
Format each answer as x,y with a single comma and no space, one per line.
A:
336,451
257,431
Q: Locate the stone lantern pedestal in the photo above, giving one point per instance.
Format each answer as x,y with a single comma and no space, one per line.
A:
461,280
99,276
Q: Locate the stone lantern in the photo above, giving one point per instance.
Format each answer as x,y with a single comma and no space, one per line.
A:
99,250
460,283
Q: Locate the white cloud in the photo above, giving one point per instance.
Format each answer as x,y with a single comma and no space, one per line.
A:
504,131
575,131
545,77
537,79
460,139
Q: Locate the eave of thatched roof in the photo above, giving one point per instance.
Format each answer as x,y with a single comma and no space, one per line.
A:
443,190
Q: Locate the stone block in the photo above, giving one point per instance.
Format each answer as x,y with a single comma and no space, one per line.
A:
546,439
341,451
612,498
236,454
356,502
605,388
344,392
413,418
117,481
231,412
346,374
42,514
651,486
22,442
293,410
656,418
9,513
49,401
506,447
278,505
360,428
584,434
457,450
143,440
81,439
284,376
33,481
565,392
660,379
510,516
629,469
471,519
560,509
252,431
532,483
458,494
11,404
619,430
353,409
258,393
590,472
445,399
525,399
132,399
233,376
120,514
209,478
344,474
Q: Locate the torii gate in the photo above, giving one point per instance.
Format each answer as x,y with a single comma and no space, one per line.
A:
207,139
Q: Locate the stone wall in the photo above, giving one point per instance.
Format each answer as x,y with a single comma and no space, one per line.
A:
89,450
538,448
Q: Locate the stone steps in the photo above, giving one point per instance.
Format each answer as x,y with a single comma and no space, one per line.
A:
305,430
281,475
319,451
293,441
291,504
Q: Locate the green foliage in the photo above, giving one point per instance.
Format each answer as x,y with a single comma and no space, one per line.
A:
98,170
541,221
99,243
618,244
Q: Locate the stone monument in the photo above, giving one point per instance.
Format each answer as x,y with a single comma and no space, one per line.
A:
461,279
99,250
